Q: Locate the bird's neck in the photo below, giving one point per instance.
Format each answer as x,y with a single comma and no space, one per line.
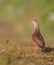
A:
36,28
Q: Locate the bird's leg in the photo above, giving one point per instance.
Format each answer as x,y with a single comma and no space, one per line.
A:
36,47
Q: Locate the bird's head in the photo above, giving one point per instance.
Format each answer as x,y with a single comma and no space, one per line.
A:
35,22
36,25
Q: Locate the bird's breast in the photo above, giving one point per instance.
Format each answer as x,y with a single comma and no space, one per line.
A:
34,37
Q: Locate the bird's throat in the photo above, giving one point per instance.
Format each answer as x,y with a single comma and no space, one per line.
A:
36,28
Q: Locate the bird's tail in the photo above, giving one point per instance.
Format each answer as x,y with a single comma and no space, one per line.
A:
43,49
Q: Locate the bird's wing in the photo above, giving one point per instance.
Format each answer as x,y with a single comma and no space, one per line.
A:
38,39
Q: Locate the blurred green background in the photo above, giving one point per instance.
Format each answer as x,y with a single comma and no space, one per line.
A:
16,17
16,29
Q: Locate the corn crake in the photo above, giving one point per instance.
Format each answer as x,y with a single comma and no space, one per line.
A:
37,37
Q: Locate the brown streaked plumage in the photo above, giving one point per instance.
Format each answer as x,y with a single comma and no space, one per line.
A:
36,35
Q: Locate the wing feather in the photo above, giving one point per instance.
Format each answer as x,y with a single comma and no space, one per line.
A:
38,39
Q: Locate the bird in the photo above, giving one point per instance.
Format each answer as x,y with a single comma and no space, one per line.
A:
37,36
